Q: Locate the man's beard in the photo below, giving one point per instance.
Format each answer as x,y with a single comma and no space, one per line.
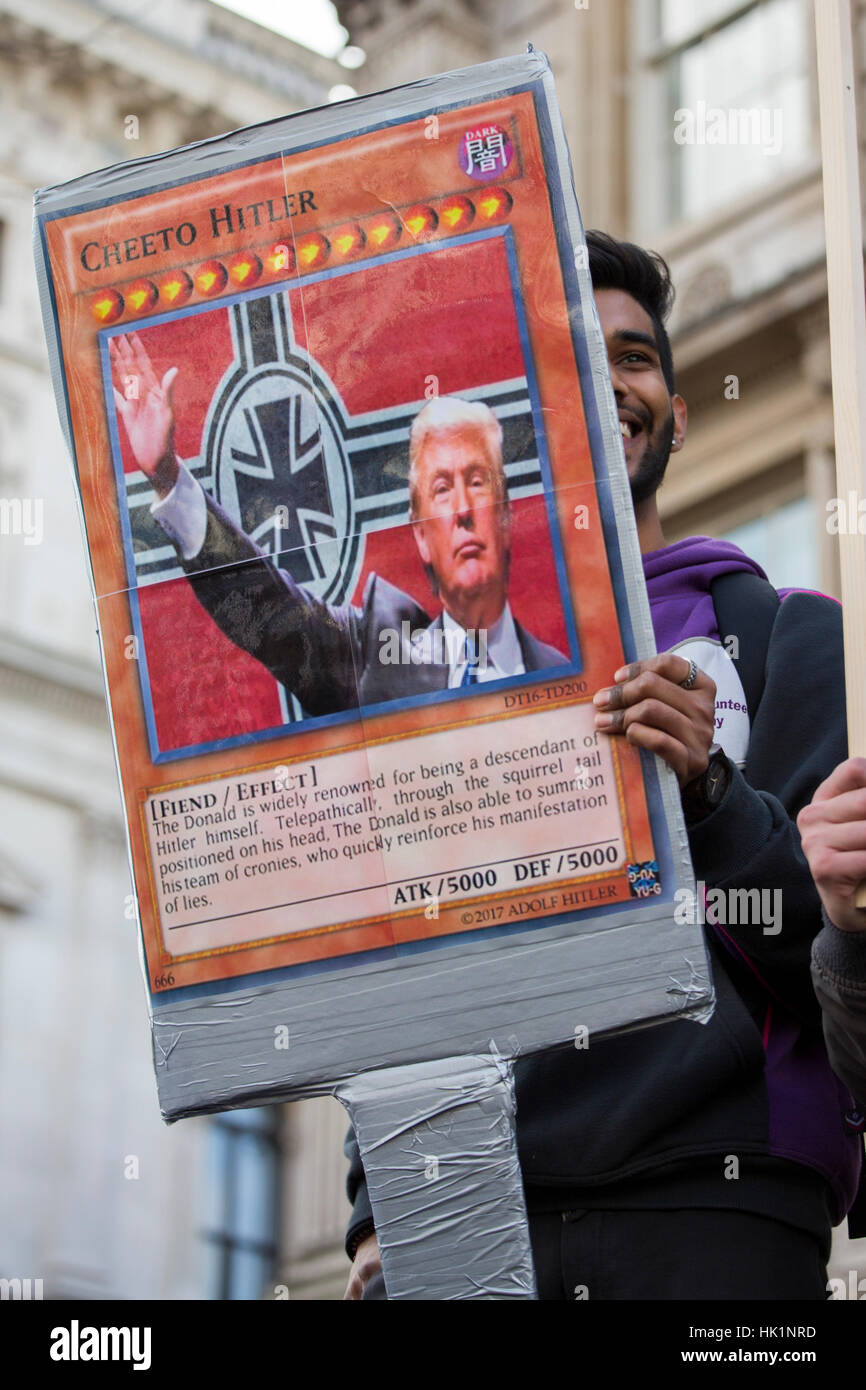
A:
651,469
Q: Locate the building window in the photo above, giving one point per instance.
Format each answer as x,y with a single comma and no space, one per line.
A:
241,1218
734,103
784,544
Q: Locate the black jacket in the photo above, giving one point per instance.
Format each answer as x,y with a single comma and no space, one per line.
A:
329,656
839,977
654,1114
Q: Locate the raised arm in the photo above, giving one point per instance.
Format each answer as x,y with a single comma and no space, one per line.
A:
307,645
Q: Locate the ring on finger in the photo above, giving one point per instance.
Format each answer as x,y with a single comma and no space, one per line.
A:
691,679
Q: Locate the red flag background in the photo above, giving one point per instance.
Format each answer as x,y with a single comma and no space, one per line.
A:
379,333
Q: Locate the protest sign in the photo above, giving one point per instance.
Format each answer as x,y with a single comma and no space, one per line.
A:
362,551
840,150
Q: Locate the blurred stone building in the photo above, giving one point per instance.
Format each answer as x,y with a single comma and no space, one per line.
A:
96,1195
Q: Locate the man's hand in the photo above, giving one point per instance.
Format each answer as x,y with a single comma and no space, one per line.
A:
144,405
366,1263
833,831
649,706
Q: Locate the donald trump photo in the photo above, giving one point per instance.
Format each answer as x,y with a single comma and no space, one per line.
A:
335,658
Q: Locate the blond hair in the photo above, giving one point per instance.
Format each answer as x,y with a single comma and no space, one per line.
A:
446,415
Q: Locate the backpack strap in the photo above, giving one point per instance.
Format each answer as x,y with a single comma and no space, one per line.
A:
746,608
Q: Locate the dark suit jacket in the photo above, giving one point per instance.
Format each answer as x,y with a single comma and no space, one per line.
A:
329,657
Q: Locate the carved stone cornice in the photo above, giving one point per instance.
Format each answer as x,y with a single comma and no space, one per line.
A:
51,681
378,26
223,44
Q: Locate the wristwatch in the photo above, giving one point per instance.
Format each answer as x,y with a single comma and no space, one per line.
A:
706,792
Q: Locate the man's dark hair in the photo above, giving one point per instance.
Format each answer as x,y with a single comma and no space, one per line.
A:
620,265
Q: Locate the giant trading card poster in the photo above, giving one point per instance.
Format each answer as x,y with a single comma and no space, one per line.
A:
353,547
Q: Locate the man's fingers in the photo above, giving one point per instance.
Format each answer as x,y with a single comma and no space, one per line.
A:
647,685
369,1266
670,666
835,835
829,865
654,713
652,709
168,384
124,352
850,835
120,357
142,363
847,777
844,837
835,810
657,741
366,1263
658,678
121,403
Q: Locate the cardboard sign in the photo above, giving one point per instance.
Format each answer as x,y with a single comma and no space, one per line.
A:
362,552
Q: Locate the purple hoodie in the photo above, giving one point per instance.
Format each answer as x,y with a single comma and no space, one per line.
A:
678,580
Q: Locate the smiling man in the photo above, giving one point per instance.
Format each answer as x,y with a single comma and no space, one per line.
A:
697,1161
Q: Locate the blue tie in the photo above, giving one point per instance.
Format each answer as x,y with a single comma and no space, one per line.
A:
470,675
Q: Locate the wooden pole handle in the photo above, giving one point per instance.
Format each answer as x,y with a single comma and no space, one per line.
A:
847,301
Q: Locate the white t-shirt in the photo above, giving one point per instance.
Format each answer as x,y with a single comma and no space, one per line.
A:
732,712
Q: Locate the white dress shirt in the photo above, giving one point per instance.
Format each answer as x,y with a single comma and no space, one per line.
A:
497,648
182,514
